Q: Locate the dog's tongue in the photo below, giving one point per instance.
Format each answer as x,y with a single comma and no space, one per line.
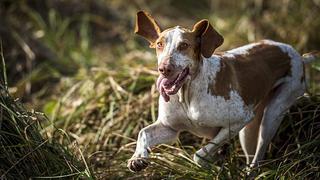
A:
161,83
171,86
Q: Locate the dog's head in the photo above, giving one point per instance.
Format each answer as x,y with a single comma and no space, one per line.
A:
179,50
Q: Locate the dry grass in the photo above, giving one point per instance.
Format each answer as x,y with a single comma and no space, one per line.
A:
82,66
105,111
24,152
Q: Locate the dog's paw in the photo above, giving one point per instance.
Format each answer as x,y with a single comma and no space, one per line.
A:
252,170
251,173
137,164
202,161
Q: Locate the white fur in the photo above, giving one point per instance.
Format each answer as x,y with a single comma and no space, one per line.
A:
172,40
213,116
221,110
240,50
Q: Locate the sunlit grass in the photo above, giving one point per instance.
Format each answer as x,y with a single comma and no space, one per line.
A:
105,111
98,96
24,152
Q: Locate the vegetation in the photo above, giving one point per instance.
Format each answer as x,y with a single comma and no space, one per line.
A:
24,152
81,65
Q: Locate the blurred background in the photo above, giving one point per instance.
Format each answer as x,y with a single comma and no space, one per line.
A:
80,63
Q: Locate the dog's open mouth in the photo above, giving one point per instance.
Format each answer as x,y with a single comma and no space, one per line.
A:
168,87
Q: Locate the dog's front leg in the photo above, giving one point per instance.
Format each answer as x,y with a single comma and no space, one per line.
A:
204,156
149,136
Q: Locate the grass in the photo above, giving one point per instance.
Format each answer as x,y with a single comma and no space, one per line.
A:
95,82
105,111
24,152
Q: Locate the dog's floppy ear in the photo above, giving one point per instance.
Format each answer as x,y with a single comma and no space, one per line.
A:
210,39
147,27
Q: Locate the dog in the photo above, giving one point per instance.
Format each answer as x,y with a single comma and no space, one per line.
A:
243,91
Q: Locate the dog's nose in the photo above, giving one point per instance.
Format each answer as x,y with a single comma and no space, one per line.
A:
166,69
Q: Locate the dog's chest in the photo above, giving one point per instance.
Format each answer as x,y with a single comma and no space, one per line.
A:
200,108
213,111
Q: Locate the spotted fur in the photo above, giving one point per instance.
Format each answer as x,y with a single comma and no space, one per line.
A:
242,91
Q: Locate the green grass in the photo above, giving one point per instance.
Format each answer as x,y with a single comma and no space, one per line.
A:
24,152
104,114
94,80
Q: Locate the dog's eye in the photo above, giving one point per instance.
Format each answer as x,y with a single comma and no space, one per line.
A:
159,45
183,46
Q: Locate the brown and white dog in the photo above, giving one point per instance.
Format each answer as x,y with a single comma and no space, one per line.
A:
245,90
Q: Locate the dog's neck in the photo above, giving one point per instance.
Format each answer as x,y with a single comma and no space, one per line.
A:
200,71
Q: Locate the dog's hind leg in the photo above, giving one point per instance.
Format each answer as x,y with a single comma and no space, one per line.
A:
284,96
204,156
249,135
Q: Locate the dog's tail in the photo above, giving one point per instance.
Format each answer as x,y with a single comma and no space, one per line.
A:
310,57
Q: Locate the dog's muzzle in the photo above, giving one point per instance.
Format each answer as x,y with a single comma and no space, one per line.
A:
167,86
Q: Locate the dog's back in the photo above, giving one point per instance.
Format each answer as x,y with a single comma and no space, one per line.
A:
253,70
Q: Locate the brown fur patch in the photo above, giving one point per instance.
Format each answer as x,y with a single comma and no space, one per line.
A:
147,27
253,74
210,38
224,81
